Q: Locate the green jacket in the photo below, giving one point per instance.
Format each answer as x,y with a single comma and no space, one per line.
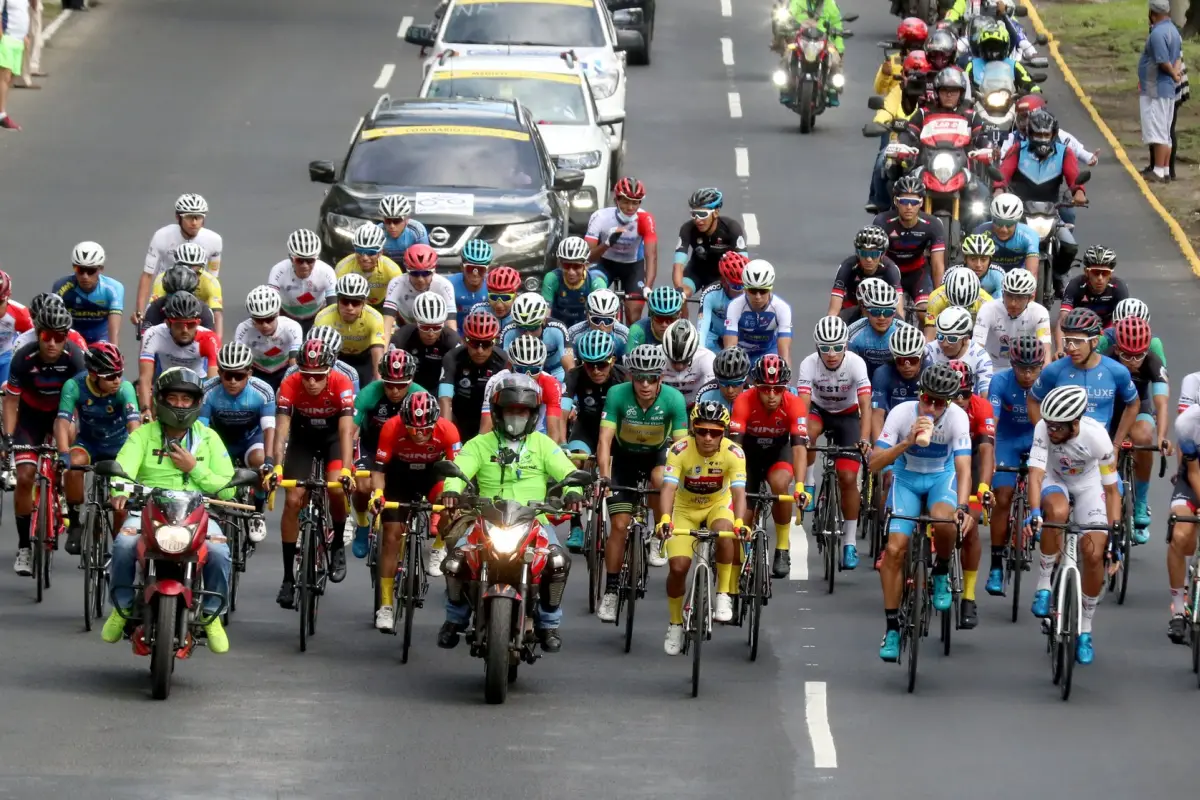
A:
540,462
825,12
143,459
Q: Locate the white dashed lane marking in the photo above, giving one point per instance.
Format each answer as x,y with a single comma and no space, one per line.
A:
385,76
726,8
735,105
816,713
727,51
750,224
405,24
742,159
799,539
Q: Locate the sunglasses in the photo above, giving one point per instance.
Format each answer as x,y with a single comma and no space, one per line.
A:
951,338
349,303
524,369
505,297
431,328
228,375
647,379
57,337
881,312
1058,427
701,213
108,376
765,389
826,349
573,264
731,383
1134,357
480,344
421,273
367,251
313,377
666,320
908,361
596,366
708,433
908,201
475,267
1097,272
1004,223
88,271
395,220
870,254
733,287
935,403
758,291
188,324
308,261
1074,343
264,320
602,320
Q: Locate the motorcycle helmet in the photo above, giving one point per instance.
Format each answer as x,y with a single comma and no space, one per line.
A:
515,393
917,61
1042,132
951,78
993,43
912,33
178,379
941,49
1026,106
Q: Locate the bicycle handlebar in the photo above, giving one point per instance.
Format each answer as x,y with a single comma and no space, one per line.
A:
703,534
1130,447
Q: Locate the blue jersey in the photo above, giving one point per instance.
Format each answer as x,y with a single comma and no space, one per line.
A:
619,332
90,310
992,282
464,298
712,391
554,334
100,420
485,306
871,345
889,389
238,420
413,233
1011,254
1009,407
1104,382
759,332
713,305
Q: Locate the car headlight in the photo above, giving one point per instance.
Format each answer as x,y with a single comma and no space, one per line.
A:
587,160
604,83
343,227
838,80
1042,226
505,540
525,235
172,538
978,209
943,167
779,78
997,100
583,200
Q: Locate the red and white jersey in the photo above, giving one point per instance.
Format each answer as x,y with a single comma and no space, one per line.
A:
834,390
160,349
30,335
16,320
635,234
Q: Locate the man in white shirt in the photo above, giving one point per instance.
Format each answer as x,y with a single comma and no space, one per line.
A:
15,14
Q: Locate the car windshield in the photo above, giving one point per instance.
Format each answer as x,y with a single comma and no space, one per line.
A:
551,98
563,23
489,160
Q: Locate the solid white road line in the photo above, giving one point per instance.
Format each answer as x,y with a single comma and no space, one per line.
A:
742,159
750,225
65,15
727,51
799,571
726,8
405,24
817,714
735,105
385,75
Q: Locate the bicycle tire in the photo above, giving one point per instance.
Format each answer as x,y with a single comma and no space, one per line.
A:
1018,551
1194,618
1067,641
38,541
1126,563
89,579
3,491
235,550
916,611
101,583
758,589
408,589
697,634
590,557
303,584
634,555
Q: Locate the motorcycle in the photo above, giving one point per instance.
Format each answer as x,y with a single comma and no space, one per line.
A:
996,98
807,69
503,571
170,559
1044,219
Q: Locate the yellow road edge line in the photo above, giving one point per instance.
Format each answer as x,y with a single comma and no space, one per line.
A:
1176,229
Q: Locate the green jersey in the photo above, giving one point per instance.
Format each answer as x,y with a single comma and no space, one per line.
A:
644,430
1108,342
372,409
145,460
539,461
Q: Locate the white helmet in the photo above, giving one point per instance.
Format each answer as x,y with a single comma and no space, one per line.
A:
1131,307
1064,404
304,244
603,303
758,274
429,308
327,334
527,351
574,249
395,206
680,341
235,356
1020,283
191,254
263,301
646,359
530,309
831,330
877,293
354,286
1007,208
955,321
369,236
962,287
906,341
191,204
87,254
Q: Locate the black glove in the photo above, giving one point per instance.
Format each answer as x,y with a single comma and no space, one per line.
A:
614,236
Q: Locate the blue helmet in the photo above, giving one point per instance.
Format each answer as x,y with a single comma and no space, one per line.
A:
477,252
706,198
665,301
594,346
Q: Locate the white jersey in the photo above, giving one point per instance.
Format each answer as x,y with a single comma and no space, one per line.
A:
1087,460
1189,392
951,437
995,330
834,390
160,349
271,353
166,241
691,378
758,332
16,316
975,357
401,294
303,297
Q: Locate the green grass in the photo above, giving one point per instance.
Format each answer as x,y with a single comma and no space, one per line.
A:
50,10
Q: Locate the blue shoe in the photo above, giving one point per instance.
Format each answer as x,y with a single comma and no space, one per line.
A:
833,101
575,540
361,545
849,557
995,583
1084,652
785,99
1141,522
941,593
889,649
1041,604
1141,535
812,499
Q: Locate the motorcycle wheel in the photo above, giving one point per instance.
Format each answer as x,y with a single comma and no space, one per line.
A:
497,658
162,650
806,105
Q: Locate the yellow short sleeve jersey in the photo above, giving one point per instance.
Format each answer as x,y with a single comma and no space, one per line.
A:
704,481
379,278
938,303
209,290
357,337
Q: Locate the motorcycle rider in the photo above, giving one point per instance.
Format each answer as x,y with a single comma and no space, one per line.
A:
899,103
991,45
828,16
1026,106
942,49
910,37
950,87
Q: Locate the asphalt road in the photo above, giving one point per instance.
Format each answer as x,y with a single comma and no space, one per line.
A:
151,98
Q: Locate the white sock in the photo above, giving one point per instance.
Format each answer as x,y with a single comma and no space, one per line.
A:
3,114
810,477
849,532
1089,611
1162,172
1045,570
1178,599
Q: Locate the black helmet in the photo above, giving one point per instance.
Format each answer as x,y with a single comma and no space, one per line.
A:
516,391
182,305
180,278
940,48
706,198
1082,320
1042,132
951,78
53,317
710,411
39,302
178,379
940,381
912,183
731,364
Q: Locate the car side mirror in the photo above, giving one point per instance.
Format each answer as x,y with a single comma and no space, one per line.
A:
447,469
1083,177
420,35
628,18
321,171
243,477
875,102
628,40
615,119
568,180
110,469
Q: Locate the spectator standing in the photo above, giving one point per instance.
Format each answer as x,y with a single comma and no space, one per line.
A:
15,16
1159,75
1182,93
31,66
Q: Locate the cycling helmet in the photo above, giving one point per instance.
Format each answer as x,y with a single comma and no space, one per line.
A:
182,305
503,280
731,365
315,357
629,189
235,356
574,249
910,184
397,367
771,370
831,330
530,310
420,410
993,43
731,267
179,278
42,300
303,243
912,32
191,204
966,376
1100,256
481,325
369,237
665,301
940,381
706,198
955,321
327,335
477,252
263,302
1027,351
395,206
192,255
1131,307
5,286
178,379
527,353
1042,131
420,258
103,358
646,359
758,274
429,308
1132,335
603,303
710,411
595,346
1019,283
877,293
87,254
516,391
962,287
1007,209
680,341
906,341
353,286
872,237
53,317
1082,320
978,244
1064,404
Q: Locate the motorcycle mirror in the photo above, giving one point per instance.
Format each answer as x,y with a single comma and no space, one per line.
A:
1041,39
110,469
849,17
1020,11
1039,62
994,173
1083,177
447,469
892,45
847,34
873,130
243,477
875,102
1037,77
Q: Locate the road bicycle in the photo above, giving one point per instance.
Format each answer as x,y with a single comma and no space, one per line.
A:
754,580
312,547
235,523
97,526
828,519
1122,540
411,578
1018,546
635,568
698,596
1192,609
49,512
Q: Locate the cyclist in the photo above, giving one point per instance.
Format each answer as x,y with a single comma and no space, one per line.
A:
408,443
95,300
665,305
503,283
486,459
688,365
527,356
420,276
715,299
178,342
977,252
191,211
97,411
960,288
768,424
624,243
208,290
982,423
704,486
1131,307
760,321
466,370
1183,535
835,397
703,239
531,317
399,230
332,340
1004,320
427,337
731,368
1097,288
870,336
936,476
368,261
896,383
470,288
314,420
362,327
603,305
274,341
175,452
640,420
1016,244
953,342
916,240
567,288
36,304
870,260
14,321
178,278
305,283
1072,457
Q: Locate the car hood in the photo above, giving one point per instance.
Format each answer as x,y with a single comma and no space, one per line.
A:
593,59
564,139
447,206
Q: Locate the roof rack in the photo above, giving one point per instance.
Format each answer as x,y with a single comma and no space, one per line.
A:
383,102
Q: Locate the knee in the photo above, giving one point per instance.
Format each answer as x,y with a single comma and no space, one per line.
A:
1142,433
848,480
897,546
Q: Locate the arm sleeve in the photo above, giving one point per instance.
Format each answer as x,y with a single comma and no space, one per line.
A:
67,400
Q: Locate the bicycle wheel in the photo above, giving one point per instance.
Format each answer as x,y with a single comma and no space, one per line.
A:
597,536
304,584
89,574
408,589
235,550
697,633
758,590
103,537
1018,552
918,582
40,525
634,552
1126,563
1067,641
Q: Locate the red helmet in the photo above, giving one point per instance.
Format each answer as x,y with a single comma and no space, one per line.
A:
315,357
912,32
630,189
916,61
771,370
103,358
397,366
420,410
1132,335
504,280
1030,103
730,266
420,258
481,325
5,286
963,369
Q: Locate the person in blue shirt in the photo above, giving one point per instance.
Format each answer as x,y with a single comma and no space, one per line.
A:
567,287
239,407
399,231
977,252
731,368
95,300
870,336
503,284
1017,245
714,299
1159,72
603,305
469,287
531,316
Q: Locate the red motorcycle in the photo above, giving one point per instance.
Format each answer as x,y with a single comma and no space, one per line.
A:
807,72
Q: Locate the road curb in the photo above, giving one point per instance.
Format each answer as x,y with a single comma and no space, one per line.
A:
1176,229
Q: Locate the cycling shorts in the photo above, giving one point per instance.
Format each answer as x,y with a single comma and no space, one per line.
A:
631,274
762,460
692,519
693,279
1182,495
240,448
363,365
912,493
627,470
842,428
1008,454
1089,511
303,446
917,284
407,483
94,452
34,428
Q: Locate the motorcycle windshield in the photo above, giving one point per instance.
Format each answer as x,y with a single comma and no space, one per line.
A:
507,513
997,77
945,130
175,506
1034,208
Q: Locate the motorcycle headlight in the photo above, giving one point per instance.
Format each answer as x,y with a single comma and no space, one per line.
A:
1042,226
782,14
811,50
343,227
588,160
525,235
172,538
604,83
997,100
779,78
505,540
978,209
838,80
943,167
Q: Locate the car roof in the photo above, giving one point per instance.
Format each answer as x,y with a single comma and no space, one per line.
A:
579,3
502,114
449,61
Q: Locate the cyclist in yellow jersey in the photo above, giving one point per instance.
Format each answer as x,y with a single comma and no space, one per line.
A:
360,325
961,288
705,476
193,256
367,260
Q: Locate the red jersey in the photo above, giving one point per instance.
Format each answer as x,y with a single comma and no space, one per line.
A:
763,429
15,321
394,442
322,411
983,423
